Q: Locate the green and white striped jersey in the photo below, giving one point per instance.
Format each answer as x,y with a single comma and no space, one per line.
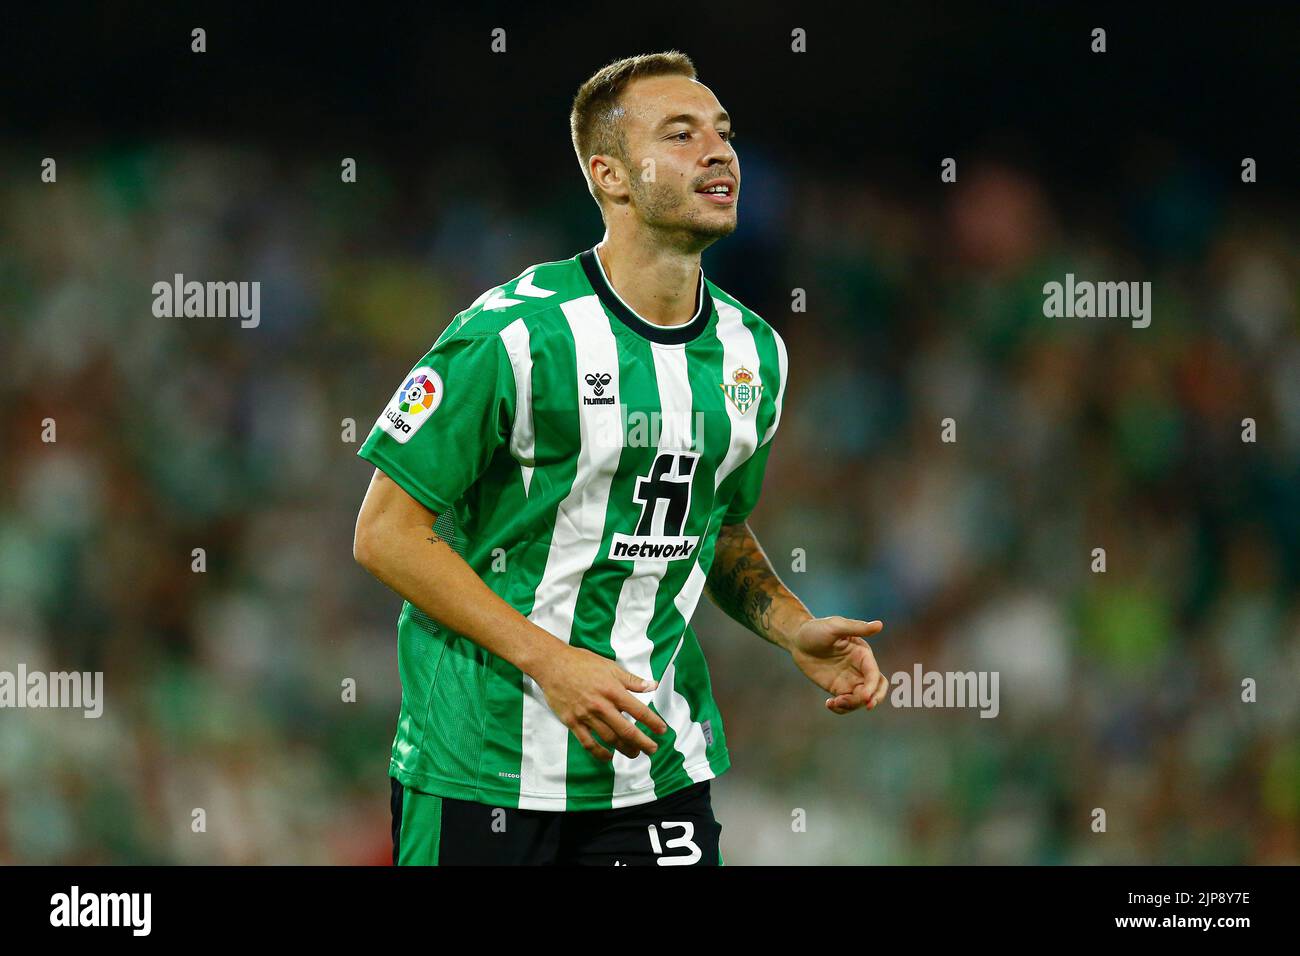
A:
582,459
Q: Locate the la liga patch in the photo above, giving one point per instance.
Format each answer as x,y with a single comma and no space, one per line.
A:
413,404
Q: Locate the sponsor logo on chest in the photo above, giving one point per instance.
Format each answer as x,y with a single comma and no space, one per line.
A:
664,497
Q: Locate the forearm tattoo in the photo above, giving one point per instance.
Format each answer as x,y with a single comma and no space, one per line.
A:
742,582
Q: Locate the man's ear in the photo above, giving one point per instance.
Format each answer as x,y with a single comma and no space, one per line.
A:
610,176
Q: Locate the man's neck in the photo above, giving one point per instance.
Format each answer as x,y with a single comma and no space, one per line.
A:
660,285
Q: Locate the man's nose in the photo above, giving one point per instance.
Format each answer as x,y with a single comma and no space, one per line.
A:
721,148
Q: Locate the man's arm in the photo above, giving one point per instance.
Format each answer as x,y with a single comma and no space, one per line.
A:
395,542
831,651
743,583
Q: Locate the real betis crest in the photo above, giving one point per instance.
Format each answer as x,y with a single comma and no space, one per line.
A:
741,389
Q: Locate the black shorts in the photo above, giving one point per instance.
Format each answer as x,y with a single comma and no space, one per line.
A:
676,830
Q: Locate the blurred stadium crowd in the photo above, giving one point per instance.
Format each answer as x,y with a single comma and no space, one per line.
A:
1120,690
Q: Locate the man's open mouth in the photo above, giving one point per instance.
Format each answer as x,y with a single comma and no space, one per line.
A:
720,192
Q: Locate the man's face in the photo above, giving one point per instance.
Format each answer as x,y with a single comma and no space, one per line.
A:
677,123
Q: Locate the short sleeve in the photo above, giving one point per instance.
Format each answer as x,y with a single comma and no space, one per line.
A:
446,420
748,486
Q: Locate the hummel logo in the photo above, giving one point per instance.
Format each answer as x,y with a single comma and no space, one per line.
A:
598,381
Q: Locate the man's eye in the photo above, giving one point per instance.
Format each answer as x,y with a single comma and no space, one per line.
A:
682,133
727,134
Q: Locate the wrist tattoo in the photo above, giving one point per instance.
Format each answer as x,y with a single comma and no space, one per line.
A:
742,582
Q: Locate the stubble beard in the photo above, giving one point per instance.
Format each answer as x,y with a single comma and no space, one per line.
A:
667,212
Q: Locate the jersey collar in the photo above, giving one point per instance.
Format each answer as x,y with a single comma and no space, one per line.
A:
665,334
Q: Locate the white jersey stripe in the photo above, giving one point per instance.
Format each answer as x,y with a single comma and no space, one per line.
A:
575,542
636,601
632,649
676,711
783,365
738,348
522,438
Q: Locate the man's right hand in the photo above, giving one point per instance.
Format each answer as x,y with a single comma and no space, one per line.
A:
590,694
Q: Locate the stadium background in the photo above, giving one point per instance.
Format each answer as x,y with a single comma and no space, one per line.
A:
1119,691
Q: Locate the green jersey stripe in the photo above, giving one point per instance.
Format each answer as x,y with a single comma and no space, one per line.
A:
738,350
573,549
503,683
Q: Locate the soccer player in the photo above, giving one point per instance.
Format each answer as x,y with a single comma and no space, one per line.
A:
558,480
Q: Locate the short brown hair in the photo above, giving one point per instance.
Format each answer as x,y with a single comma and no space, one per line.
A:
595,122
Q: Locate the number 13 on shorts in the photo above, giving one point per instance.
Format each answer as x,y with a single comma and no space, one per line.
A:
685,841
